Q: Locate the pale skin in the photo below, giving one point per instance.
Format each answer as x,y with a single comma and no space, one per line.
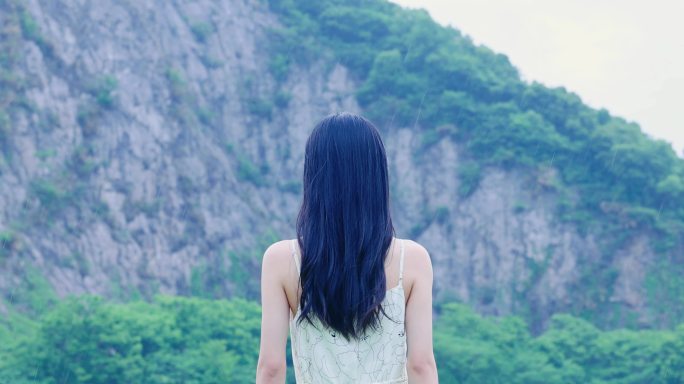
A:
280,295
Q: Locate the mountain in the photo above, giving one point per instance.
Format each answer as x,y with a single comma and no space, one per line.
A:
157,147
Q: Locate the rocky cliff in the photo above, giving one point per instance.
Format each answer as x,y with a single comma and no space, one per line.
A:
148,147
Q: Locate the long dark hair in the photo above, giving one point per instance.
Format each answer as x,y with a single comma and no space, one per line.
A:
344,227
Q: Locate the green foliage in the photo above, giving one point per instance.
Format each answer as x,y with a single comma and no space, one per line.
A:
260,107
16,330
298,42
389,78
193,340
33,294
197,286
210,61
664,290
353,24
522,138
282,99
87,116
231,271
102,89
672,367
469,175
472,349
185,107
50,197
249,172
292,186
672,186
29,26
5,129
43,154
53,198
176,79
210,278
537,271
78,260
8,243
205,115
82,161
519,207
440,214
201,30
279,65
31,31
170,340
429,138
414,73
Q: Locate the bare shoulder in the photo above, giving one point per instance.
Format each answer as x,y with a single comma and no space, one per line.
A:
417,257
277,256
279,247
417,270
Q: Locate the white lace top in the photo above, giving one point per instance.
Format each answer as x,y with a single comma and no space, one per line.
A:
321,356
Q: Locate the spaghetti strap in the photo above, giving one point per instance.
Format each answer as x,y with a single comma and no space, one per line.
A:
401,260
294,253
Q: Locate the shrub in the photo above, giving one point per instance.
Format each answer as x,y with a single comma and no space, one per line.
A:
469,174
247,171
201,30
260,107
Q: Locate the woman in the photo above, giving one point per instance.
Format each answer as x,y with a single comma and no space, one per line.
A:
356,299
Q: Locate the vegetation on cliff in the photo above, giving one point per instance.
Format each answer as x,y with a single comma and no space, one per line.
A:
614,181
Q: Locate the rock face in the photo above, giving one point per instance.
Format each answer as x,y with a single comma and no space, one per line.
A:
502,249
155,149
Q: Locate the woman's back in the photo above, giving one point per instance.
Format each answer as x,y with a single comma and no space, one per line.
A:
322,355
354,315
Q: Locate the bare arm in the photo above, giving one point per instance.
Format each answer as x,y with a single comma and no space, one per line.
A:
271,367
421,360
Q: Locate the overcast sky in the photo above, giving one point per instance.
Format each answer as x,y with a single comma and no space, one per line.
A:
623,55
